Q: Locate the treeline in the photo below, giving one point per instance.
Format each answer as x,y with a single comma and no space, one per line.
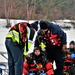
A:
37,9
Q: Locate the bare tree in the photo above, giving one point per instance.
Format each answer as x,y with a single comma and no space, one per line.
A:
7,13
30,8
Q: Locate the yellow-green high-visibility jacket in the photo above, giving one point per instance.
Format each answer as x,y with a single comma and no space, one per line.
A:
19,32
16,32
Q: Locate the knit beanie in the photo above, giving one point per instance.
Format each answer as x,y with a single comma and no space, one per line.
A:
43,25
72,42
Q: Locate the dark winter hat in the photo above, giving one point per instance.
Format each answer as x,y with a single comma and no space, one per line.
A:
36,48
43,25
72,42
35,25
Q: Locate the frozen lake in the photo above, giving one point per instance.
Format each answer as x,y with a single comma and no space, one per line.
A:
4,31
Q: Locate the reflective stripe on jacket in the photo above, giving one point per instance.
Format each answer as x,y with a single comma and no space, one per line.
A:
14,35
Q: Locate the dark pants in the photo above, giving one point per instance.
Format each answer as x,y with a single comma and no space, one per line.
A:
15,57
55,54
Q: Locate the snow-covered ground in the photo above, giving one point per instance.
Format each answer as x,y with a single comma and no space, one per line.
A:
4,31
70,36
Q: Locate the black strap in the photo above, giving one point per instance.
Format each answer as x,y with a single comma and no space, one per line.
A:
32,32
27,45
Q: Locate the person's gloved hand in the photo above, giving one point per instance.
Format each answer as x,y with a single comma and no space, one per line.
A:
72,56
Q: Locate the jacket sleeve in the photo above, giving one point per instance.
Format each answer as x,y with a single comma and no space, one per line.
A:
60,32
36,40
63,36
49,69
25,68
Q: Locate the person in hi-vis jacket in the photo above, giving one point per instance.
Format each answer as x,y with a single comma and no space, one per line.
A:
16,42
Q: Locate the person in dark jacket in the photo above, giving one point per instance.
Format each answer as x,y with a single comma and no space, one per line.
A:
37,62
71,49
52,40
69,59
16,43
